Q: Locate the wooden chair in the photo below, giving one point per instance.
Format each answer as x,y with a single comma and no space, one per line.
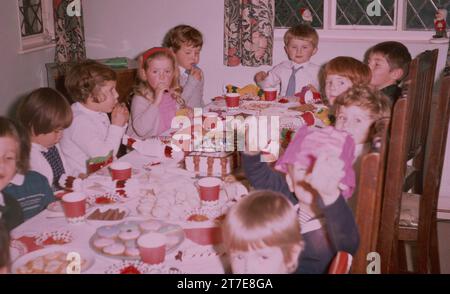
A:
368,198
408,144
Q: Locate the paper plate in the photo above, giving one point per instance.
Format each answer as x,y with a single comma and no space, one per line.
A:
53,260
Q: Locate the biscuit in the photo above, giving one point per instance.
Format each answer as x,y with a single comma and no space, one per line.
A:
114,249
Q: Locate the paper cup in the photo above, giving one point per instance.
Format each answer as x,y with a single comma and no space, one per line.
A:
74,206
120,170
270,94
232,100
209,188
308,118
210,120
152,248
207,235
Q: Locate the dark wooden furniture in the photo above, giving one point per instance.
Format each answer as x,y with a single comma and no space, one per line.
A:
368,197
126,77
405,172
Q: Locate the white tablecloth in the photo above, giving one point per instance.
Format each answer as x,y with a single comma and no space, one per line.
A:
195,258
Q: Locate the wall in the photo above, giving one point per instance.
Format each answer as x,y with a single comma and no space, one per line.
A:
20,73
126,28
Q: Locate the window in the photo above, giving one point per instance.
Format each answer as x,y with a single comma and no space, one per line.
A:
36,24
400,15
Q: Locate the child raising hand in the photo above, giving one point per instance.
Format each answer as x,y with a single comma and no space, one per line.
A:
262,234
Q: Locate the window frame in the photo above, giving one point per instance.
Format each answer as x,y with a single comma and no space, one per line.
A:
365,33
44,40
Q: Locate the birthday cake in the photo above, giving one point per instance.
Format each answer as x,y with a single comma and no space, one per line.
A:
218,164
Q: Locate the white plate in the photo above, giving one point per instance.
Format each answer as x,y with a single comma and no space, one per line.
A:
88,257
174,234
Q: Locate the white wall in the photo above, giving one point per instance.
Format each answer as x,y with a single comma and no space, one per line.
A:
20,73
126,28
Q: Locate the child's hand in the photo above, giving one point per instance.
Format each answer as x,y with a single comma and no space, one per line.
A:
260,76
325,177
159,91
196,73
119,115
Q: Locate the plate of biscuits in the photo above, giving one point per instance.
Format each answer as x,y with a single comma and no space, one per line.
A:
53,260
120,240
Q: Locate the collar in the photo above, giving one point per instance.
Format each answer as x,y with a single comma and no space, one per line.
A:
182,71
297,65
39,147
2,201
18,179
87,110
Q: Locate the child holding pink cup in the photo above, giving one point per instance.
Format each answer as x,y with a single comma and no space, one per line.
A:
74,206
152,248
121,170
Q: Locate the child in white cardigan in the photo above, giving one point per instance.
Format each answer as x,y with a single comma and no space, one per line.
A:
93,86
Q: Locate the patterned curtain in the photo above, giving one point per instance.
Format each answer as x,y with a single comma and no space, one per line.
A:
69,31
248,36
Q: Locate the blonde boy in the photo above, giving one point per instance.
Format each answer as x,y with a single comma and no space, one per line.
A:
262,234
292,75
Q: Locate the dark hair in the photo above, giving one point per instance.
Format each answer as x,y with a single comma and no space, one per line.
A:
4,245
83,78
183,34
45,110
396,54
9,128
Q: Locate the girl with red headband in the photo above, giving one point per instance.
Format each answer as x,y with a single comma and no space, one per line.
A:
157,95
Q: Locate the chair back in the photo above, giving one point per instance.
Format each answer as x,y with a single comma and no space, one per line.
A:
407,144
369,194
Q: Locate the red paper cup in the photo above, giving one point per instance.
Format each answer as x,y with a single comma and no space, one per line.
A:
152,248
209,188
210,120
308,118
204,236
270,94
232,100
74,206
120,170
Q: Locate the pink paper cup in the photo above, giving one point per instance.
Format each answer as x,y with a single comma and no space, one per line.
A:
120,170
74,206
270,94
152,248
209,188
232,100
